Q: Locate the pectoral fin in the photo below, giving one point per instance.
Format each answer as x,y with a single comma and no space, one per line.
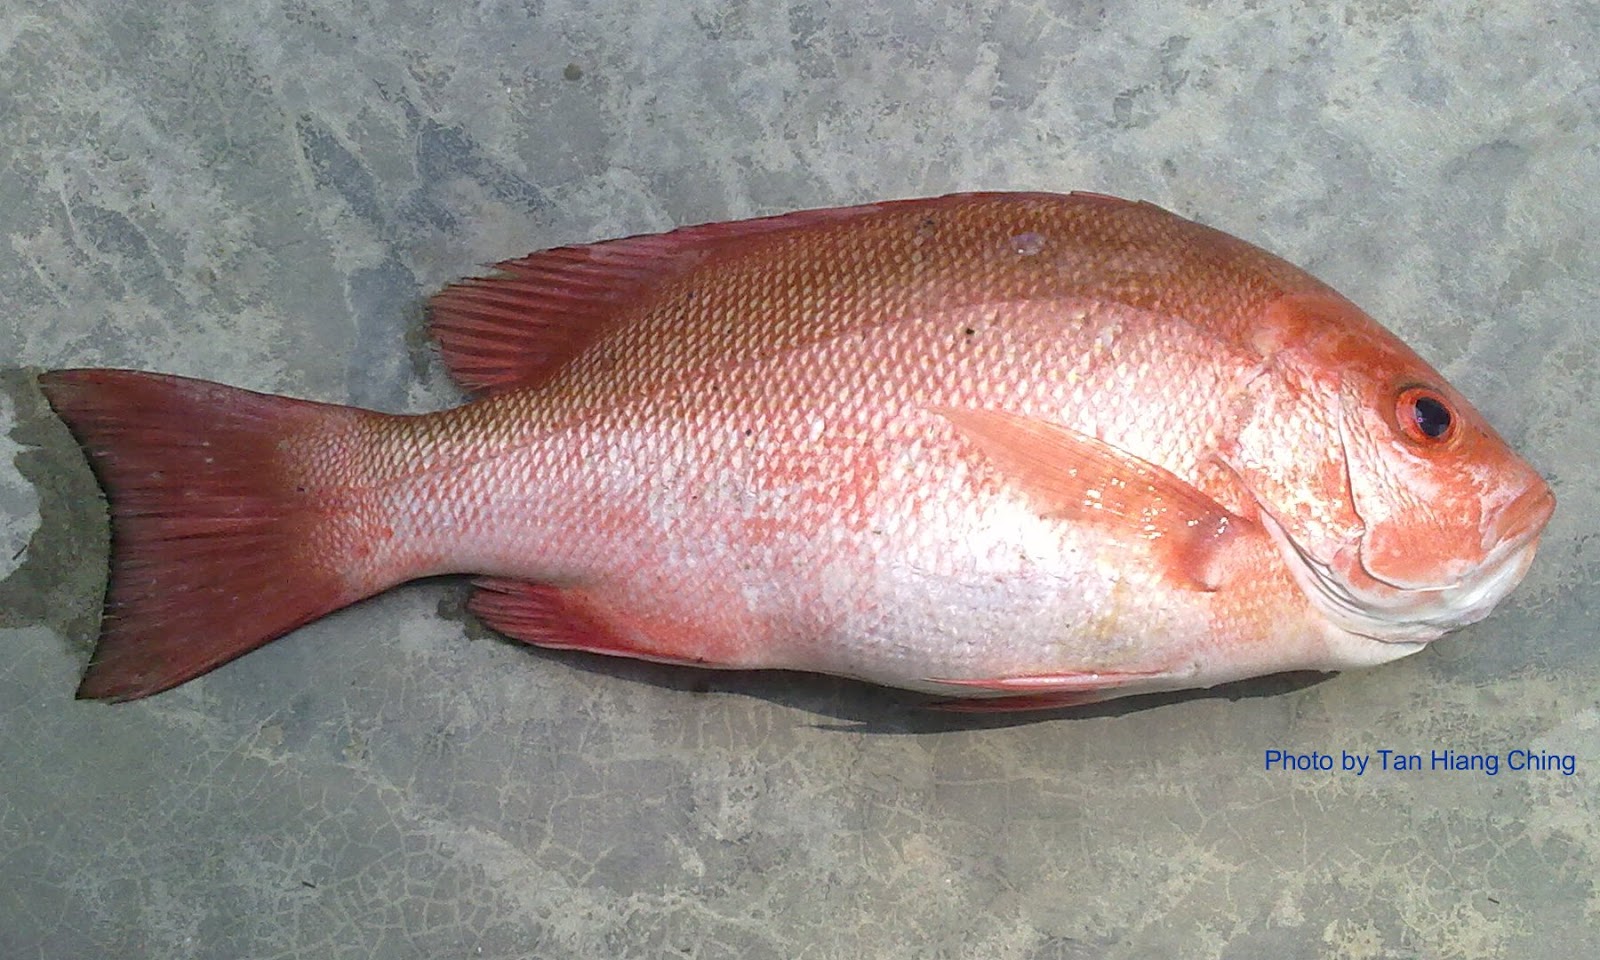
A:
1076,477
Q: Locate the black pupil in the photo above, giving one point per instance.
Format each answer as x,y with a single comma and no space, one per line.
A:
1432,417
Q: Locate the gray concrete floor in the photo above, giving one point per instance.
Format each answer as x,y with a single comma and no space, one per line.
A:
264,193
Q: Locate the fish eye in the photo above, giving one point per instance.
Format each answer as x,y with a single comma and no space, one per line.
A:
1424,416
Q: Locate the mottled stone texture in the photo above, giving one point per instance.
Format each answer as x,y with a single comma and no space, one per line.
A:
264,192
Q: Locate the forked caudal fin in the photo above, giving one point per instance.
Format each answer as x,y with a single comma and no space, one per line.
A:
221,537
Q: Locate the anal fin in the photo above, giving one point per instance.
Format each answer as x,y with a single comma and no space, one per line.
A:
574,618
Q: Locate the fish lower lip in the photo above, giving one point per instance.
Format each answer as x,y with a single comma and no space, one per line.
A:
1409,616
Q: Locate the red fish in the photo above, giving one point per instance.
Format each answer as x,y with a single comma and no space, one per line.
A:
1034,448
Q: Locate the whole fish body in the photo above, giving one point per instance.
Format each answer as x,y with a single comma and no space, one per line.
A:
1040,449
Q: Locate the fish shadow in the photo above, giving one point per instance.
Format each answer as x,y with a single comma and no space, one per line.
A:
49,583
856,706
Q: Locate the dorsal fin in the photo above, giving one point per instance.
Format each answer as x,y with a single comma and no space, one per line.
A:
518,326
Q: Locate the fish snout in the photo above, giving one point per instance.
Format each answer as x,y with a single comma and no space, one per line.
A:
1523,519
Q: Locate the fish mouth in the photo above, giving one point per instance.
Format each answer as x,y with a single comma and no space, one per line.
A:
1362,604
1513,528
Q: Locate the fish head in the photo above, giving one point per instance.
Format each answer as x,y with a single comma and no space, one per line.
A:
1398,508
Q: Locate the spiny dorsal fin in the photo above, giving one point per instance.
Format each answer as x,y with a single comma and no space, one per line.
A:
520,325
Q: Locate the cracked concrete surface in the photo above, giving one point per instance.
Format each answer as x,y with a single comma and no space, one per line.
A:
264,193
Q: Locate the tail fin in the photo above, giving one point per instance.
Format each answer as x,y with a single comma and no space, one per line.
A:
219,539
